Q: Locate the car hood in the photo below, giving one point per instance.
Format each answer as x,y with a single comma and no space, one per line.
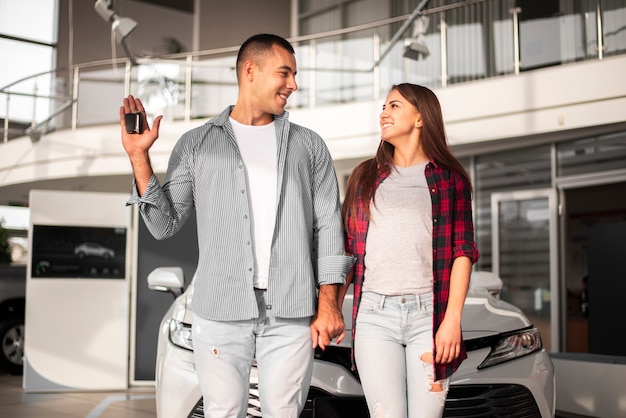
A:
483,314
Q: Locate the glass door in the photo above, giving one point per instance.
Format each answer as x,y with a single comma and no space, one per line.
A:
524,249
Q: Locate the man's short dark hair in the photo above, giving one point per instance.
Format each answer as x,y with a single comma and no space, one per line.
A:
259,44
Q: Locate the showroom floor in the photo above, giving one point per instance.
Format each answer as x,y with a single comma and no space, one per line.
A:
14,403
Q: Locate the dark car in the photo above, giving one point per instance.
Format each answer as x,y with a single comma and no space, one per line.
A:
12,306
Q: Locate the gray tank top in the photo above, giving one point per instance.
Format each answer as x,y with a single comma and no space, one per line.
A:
398,257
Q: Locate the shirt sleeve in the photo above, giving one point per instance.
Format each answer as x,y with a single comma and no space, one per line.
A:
332,263
164,209
464,243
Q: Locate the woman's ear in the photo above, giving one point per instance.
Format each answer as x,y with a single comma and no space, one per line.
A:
418,123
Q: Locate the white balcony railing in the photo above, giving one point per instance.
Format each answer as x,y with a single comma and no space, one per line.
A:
460,43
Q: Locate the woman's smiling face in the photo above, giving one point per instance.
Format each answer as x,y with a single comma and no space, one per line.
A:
399,118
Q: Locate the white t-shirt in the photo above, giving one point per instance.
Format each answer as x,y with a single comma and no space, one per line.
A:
257,145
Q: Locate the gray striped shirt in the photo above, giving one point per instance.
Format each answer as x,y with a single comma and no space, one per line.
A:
206,173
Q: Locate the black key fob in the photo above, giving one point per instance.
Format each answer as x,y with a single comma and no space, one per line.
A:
133,122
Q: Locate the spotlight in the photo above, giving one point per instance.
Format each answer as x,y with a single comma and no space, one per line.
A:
122,26
105,9
416,47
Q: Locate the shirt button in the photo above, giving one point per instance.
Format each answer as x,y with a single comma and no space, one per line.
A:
433,190
245,216
243,191
435,220
249,268
268,307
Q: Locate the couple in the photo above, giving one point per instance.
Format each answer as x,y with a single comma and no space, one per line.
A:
275,263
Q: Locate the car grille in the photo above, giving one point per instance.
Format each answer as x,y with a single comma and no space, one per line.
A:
514,401
469,401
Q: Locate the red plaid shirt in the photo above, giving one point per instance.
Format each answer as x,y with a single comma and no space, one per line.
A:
453,236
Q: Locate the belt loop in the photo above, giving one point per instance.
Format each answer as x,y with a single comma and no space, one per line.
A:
382,302
418,299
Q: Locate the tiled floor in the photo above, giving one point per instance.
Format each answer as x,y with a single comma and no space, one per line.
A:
14,403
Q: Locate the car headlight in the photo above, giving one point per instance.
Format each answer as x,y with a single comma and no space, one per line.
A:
180,335
513,345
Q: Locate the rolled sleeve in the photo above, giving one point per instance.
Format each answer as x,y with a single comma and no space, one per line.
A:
333,269
150,196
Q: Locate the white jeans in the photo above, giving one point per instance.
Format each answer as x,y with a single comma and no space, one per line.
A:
392,333
224,351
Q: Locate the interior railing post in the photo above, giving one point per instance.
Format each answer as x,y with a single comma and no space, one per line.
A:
127,73
188,73
443,27
6,120
75,97
516,40
312,74
600,30
377,72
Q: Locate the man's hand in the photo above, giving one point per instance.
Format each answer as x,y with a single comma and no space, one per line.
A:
138,145
327,322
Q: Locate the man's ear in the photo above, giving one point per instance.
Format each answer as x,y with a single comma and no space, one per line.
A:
249,70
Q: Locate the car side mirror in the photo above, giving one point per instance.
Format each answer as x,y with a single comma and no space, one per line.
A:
167,279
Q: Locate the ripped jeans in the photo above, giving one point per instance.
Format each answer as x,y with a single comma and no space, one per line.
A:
393,352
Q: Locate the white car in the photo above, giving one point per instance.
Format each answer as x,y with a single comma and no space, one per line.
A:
92,249
507,372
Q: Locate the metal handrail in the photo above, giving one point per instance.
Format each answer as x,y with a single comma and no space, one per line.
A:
190,60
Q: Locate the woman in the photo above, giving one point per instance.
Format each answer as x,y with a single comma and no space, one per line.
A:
408,221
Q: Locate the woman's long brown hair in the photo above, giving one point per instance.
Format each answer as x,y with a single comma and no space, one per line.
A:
362,182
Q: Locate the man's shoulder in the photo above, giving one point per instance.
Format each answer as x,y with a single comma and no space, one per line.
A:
202,131
302,133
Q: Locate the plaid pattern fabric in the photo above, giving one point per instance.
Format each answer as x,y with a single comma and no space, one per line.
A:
453,236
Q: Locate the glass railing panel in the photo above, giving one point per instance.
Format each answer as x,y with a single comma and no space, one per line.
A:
343,70
301,98
467,58
614,29
161,87
554,40
392,68
100,94
539,43
213,87
503,47
426,69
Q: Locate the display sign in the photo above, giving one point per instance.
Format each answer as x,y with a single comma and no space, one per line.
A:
78,252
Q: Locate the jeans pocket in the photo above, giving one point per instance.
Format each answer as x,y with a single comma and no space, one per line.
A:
368,306
369,303
426,304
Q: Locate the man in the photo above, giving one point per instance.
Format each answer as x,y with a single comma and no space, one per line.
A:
269,232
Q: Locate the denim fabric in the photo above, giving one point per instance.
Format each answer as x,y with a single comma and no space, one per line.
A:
392,333
224,351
